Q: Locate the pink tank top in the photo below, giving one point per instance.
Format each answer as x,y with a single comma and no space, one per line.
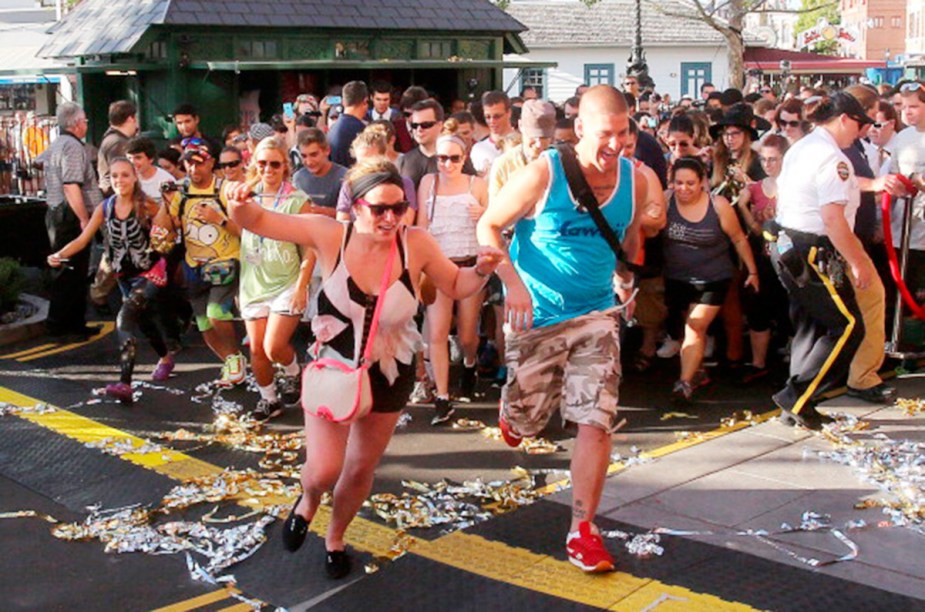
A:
763,207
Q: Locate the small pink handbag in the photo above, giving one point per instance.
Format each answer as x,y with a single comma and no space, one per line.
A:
337,391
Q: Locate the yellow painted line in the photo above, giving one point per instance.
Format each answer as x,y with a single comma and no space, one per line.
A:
170,463
198,602
467,552
241,607
544,574
28,351
107,329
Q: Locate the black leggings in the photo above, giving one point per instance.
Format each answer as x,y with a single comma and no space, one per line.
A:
138,309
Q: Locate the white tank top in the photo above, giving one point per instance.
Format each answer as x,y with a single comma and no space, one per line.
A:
450,223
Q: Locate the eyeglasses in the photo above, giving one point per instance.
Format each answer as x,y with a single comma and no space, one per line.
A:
378,210
914,86
449,158
275,164
192,141
424,125
793,124
228,164
732,133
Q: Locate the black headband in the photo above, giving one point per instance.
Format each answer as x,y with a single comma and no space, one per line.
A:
366,183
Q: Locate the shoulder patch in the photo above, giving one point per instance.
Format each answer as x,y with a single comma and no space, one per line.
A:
843,171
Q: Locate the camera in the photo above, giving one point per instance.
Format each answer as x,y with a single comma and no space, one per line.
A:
169,187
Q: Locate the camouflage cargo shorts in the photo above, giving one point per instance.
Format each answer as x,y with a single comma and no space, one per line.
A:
573,366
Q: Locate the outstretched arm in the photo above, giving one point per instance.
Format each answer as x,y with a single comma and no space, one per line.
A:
306,230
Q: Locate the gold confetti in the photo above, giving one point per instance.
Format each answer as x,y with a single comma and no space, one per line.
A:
677,415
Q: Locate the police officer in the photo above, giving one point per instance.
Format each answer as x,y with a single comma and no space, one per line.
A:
818,258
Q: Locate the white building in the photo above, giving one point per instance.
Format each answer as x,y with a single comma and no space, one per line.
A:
775,29
592,44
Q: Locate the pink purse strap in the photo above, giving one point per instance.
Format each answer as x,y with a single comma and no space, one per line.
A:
383,287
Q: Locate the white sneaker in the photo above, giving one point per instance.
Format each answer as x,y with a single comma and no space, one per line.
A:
669,348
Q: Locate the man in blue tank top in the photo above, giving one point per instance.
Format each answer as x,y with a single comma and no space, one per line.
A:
563,350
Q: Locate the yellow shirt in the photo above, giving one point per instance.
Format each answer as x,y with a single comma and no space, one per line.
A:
205,242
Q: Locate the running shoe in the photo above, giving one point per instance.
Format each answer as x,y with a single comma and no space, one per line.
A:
233,371
751,373
444,411
682,391
120,391
586,550
163,370
267,409
290,390
669,348
423,393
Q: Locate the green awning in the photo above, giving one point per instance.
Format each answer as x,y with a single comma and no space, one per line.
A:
239,66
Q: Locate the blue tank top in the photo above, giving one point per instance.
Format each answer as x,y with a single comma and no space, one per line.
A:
560,254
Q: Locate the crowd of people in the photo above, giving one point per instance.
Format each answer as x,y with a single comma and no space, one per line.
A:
525,232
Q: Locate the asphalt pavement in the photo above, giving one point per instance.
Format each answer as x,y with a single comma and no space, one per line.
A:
717,477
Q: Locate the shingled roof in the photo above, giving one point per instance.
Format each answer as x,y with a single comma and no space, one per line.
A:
607,23
102,27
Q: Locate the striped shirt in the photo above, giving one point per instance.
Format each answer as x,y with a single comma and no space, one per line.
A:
67,163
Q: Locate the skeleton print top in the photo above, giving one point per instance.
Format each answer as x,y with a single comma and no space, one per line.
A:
128,246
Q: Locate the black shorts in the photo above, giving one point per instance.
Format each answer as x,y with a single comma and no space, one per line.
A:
394,397
679,295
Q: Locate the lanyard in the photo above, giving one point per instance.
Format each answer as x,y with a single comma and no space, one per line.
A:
284,190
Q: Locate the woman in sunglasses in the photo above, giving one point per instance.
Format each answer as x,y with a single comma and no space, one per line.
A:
274,285
790,122
450,204
231,165
343,458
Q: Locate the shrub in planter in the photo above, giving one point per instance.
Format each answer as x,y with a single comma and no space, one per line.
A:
12,282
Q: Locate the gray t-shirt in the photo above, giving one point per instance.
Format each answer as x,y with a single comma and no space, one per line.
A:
67,162
908,157
323,190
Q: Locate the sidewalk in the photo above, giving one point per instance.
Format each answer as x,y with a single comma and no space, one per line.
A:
764,476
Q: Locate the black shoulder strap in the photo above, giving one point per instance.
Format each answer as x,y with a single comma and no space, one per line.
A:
578,184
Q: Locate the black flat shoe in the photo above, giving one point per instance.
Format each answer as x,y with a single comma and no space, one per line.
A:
337,564
881,394
808,418
294,529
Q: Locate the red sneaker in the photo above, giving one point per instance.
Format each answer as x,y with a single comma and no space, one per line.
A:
586,550
511,438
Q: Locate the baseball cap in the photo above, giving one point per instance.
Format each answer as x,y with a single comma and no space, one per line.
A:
196,153
847,104
259,131
537,119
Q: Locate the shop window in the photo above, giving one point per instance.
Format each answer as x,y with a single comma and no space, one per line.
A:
258,49
535,78
436,49
599,74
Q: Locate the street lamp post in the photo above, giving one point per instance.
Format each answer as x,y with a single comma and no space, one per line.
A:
636,64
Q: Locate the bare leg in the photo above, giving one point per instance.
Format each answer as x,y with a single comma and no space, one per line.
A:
221,338
695,337
439,319
325,446
369,438
260,362
467,325
588,468
276,341
760,341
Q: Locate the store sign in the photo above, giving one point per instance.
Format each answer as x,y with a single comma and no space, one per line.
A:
824,31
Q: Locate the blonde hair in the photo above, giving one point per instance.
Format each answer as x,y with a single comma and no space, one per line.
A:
373,136
270,143
370,166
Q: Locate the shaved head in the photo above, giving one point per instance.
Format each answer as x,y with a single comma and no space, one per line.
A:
602,99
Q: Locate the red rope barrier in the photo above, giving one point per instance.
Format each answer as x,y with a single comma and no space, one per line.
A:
917,311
